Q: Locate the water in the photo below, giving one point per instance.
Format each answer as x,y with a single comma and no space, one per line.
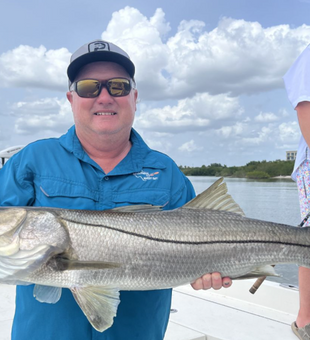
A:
270,200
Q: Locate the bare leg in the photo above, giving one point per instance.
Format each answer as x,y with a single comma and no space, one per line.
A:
303,317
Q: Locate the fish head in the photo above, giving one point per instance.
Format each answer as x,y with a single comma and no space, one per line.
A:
42,226
27,228
29,237
11,220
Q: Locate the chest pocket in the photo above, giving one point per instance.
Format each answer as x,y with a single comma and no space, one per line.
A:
151,196
61,193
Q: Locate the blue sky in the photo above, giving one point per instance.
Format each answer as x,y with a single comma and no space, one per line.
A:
209,73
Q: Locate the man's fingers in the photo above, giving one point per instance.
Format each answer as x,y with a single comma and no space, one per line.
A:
227,282
217,282
197,284
213,280
207,281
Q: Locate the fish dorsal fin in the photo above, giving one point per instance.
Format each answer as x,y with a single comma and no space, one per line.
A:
99,304
143,208
215,198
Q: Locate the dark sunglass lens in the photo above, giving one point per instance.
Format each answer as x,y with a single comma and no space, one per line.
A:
88,88
119,87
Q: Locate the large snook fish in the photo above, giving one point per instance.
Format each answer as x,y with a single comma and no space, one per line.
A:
97,253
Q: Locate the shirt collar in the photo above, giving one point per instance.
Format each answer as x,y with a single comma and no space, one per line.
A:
139,156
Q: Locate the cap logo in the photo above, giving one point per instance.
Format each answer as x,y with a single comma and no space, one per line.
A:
98,46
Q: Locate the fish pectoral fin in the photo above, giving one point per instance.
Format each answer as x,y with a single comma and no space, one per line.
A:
266,270
99,304
18,265
68,264
47,294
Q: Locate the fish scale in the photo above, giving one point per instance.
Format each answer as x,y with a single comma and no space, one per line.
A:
185,253
97,253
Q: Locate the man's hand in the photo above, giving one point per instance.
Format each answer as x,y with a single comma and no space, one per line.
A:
213,280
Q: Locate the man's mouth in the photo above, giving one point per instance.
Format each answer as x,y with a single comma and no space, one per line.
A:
105,113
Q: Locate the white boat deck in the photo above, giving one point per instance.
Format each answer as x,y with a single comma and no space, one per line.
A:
227,314
234,313
7,300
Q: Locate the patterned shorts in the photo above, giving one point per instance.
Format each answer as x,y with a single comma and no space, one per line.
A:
303,184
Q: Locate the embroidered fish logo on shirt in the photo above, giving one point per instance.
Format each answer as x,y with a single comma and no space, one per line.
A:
146,176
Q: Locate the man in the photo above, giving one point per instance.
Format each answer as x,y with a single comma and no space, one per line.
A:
100,163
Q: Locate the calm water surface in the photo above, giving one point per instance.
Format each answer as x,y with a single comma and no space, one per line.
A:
271,200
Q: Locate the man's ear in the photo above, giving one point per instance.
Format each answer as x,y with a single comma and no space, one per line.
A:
69,96
136,99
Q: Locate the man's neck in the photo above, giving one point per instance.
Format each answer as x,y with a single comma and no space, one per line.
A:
106,150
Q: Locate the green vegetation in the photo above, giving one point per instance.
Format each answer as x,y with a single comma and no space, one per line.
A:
257,175
255,170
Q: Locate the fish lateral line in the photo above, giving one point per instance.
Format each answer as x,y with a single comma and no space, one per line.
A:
193,242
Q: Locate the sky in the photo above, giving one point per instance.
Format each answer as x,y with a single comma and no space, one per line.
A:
209,73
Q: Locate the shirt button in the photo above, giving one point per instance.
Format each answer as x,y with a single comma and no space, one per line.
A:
107,178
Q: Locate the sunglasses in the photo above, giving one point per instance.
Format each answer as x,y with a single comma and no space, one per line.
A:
91,88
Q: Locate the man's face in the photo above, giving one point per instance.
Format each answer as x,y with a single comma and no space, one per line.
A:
103,114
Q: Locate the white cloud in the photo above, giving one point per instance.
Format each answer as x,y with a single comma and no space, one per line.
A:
191,114
49,114
284,113
129,23
143,39
193,87
5,131
231,131
27,66
279,135
266,117
190,147
289,132
261,136
237,56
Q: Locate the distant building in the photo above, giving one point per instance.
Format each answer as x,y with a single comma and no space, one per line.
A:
291,155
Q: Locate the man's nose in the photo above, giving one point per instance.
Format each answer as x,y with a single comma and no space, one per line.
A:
104,95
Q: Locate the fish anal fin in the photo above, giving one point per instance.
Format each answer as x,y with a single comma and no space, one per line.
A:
99,304
47,294
266,270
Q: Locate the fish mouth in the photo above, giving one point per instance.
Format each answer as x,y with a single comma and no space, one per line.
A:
105,113
9,238
11,220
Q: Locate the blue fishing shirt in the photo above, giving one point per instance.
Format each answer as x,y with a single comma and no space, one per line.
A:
57,172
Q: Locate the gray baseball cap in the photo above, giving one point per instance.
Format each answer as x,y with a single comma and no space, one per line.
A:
99,50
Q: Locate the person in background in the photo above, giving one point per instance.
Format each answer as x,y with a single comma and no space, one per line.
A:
100,163
297,83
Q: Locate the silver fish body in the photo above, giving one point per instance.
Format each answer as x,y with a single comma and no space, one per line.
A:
98,253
